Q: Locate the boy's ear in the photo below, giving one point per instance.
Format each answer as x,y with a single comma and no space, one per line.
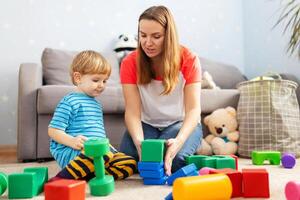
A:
76,77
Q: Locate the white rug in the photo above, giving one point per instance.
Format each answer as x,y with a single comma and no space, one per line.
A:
133,188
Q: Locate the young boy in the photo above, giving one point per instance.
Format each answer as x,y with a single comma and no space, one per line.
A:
78,117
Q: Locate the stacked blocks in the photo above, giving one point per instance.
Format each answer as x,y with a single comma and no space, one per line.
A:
292,190
235,178
102,184
288,160
189,170
27,184
217,161
3,183
256,183
65,189
151,167
213,186
258,157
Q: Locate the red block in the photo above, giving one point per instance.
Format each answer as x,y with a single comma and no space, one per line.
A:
235,178
236,161
256,183
65,189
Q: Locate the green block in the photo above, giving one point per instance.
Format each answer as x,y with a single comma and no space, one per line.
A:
209,162
224,162
258,157
153,150
96,147
22,185
3,183
42,177
196,159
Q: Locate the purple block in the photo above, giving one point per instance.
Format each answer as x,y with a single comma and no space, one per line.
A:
288,160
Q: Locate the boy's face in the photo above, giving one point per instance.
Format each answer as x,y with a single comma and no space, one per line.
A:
91,84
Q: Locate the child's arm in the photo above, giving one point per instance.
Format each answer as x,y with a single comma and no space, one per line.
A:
61,137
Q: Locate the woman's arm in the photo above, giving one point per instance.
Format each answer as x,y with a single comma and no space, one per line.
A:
133,114
192,116
61,137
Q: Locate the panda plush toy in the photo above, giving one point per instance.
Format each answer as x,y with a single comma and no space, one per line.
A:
125,44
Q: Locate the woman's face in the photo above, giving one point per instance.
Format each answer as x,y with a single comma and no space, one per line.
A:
151,37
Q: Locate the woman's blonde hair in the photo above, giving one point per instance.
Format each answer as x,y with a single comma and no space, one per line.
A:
170,54
89,62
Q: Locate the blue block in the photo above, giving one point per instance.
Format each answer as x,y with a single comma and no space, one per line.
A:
150,165
169,197
193,173
184,171
155,181
153,174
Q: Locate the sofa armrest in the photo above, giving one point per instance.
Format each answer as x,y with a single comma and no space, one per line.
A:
30,79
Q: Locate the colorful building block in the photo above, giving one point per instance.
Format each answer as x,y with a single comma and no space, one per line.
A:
235,178
288,160
155,181
65,189
153,150
236,161
150,165
258,157
213,186
256,183
101,185
189,170
152,173
42,177
22,185
205,170
196,159
292,190
3,183
224,162
169,197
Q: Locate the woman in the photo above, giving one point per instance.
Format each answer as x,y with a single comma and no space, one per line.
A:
161,87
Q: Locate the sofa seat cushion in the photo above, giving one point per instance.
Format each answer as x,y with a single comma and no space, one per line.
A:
215,99
50,95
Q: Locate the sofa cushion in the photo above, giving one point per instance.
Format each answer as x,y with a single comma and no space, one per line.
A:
50,95
215,99
56,64
225,76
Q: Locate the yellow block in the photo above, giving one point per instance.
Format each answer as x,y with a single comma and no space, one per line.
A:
205,187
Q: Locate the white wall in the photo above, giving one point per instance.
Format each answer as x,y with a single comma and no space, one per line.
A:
230,31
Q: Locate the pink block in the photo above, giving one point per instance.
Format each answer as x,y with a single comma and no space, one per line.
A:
205,170
292,190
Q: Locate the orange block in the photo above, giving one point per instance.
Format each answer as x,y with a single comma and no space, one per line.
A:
65,189
256,183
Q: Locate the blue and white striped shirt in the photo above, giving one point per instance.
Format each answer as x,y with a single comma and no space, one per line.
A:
76,114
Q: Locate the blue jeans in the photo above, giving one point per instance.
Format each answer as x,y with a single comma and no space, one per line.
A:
189,148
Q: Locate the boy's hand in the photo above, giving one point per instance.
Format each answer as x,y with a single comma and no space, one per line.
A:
78,141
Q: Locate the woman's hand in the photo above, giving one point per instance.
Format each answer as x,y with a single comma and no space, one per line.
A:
78,142
138,145
173,146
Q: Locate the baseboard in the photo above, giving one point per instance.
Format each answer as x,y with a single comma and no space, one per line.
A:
4,149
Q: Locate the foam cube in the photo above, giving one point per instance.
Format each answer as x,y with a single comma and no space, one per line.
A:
188,170
22,185
153,150
42,177
256,183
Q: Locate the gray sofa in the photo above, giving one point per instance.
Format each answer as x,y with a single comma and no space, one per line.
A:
42,86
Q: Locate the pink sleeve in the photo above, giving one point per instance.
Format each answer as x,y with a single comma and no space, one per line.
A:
128,70
191,69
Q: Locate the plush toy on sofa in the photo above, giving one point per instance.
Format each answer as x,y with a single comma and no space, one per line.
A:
125,44
208,82
223,137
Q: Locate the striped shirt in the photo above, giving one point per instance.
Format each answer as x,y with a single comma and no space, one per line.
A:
76,114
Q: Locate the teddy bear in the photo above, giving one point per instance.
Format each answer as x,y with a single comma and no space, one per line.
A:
126,43
208,82
222,140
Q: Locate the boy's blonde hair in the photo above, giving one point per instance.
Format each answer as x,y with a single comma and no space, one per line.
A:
89,62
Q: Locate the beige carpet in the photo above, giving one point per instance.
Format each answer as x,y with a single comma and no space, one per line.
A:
133,187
